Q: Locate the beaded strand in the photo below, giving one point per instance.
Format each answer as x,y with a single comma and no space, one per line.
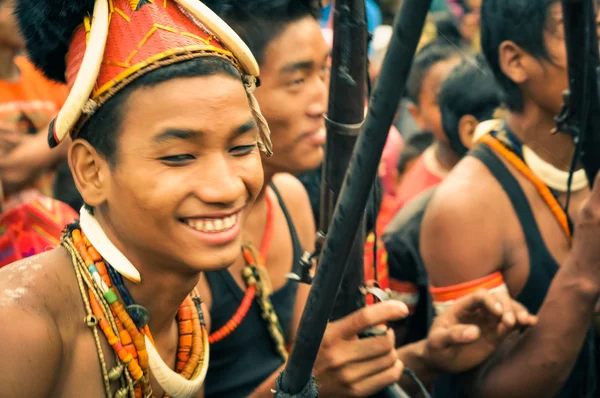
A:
125,337
127,386
257,287
138,368
542,189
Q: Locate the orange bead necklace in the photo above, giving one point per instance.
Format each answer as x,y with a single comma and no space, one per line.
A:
126,338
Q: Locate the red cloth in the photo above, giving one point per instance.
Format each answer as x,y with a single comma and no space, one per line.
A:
32,228
388,168
418,179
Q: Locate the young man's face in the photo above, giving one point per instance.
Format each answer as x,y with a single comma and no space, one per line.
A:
427,112
9,29
293,96
187,171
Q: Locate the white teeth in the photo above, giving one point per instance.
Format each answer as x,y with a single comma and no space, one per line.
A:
213,225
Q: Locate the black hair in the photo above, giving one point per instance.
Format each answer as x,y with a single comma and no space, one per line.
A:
437,51
519,21
414,146
469,89
101,131
448,29
258,22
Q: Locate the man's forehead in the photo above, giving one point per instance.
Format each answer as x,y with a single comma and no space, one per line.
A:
300,41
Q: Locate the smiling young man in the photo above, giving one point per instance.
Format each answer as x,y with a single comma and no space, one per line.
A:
167,184
249,343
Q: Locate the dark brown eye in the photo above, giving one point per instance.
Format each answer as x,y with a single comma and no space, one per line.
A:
242,150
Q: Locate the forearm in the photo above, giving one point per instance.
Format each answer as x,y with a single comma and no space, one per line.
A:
547,352
413,357
25,163
266,388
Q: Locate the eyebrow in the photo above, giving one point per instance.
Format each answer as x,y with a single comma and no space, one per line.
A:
244,128
183,134
301,65
297,66
176,134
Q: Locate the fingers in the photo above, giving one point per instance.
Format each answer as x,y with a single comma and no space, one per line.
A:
477,300
359,321
442,338
515,315
378,381
524,318
335,354
355,372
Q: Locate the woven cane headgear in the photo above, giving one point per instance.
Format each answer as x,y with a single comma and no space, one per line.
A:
117,41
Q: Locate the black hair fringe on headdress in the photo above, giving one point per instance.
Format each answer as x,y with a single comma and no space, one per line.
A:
48,26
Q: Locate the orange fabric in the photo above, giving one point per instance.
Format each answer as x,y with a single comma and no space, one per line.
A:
383,277
449,293
403,287
141,37
30,103
417,180
27,106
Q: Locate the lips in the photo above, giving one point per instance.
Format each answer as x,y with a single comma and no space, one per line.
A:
212,225
215,230
317,137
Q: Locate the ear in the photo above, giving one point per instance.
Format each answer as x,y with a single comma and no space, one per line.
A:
466,130
416,114
91,172
511,59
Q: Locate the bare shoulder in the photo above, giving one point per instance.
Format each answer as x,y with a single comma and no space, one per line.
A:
37,282
298,204
462,230
30,332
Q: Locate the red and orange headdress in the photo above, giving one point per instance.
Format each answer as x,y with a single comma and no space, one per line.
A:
120,40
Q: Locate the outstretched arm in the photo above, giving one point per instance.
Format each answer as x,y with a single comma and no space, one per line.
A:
463,337
546,352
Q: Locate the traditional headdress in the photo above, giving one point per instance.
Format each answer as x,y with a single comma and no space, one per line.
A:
106,44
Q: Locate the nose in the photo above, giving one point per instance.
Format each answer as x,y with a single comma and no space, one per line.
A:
319,97
221,184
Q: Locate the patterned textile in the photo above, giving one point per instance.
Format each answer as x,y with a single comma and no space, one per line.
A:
32,228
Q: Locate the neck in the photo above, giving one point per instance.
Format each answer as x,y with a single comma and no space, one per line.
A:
8,69
533,127
162,289
445,156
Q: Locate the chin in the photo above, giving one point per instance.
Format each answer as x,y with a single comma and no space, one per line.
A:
309,162
214,258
